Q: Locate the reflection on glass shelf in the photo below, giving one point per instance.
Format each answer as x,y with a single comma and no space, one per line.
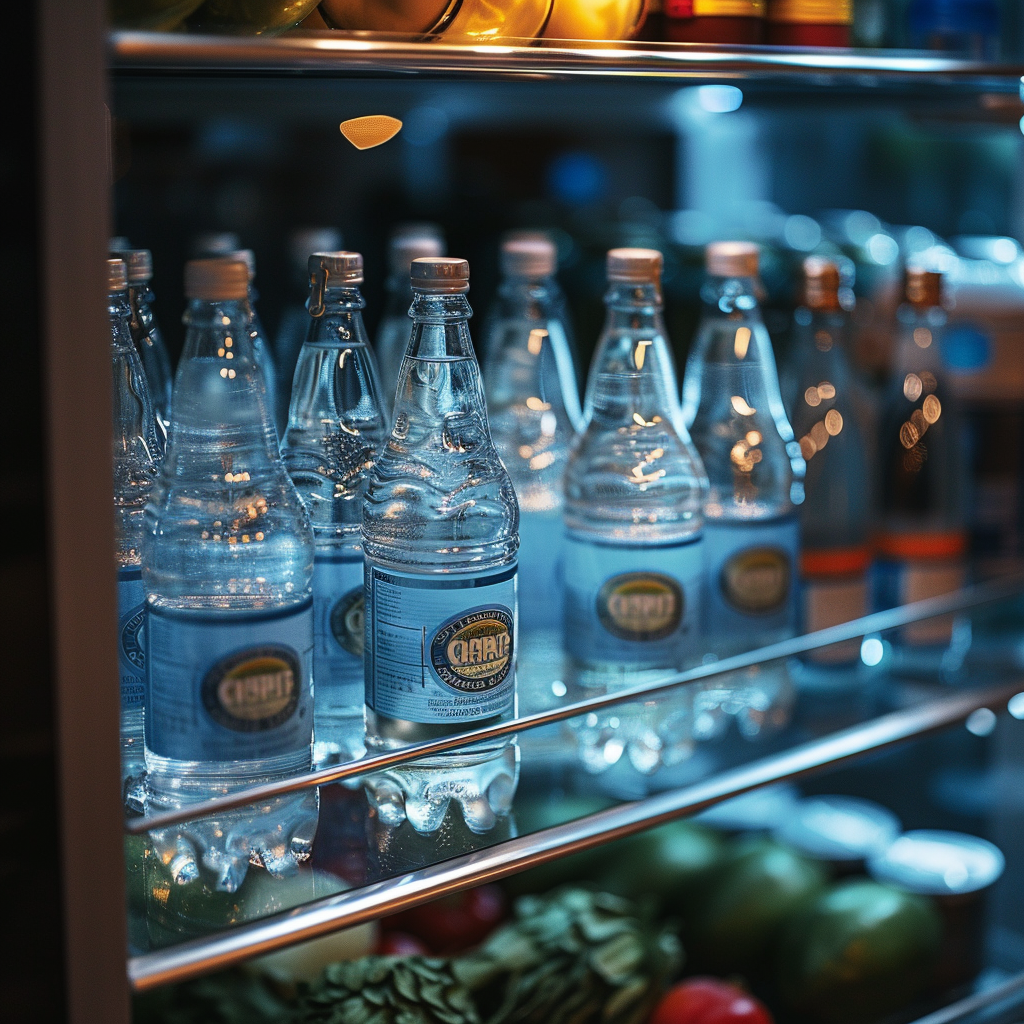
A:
357,858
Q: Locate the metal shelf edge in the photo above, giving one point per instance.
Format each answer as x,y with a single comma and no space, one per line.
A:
200,956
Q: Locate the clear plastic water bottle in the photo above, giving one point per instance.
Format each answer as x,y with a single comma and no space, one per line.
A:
409,242
135,469
227,565
835,519
258,338
292,329
634,555
146,333
335,427
440,534
208,244
734,411
534,408
922,543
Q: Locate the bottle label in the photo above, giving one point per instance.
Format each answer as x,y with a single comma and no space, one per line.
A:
440,648
752,572
632,604
835,590
229,687
339,632
131,623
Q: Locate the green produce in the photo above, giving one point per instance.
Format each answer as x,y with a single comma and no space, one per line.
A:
227,998
670,864
861,951
758,887
150,14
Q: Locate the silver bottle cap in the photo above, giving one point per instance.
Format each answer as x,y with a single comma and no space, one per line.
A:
529,257
732,259
216,280
117,276
331,269
139,263
639,266
443,274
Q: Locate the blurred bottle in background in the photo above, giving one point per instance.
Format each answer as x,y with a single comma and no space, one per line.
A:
969,28
135,469
809,22
922,543
634,489
408,242
835,518
714,21
335,427
534,412
440,536
146,333
227,566
294,323
209,244
258,337
734,411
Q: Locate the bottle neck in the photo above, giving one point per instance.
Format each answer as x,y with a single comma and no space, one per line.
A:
633,306
335,302
919,337
730,296
440,327
530,297
120,314
218,329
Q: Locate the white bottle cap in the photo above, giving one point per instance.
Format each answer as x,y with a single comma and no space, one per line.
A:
139,263
440,274
117,276
640,266
528,257
732,259
216,280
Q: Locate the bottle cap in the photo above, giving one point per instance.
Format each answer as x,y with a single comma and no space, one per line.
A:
246,256
216,280
139,263
304,242
528,257
215,243
638,265
821,283
936,863
440,274
117,276
409,245
732,259
924,287
341,267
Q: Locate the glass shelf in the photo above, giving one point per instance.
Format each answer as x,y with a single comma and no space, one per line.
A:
361,869
355,54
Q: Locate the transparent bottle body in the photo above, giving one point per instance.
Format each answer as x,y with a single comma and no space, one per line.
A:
135,468
228,560
440,514
335,427
924,479
393,335
734,411
835,517
534,411
633,517
265,361
151,348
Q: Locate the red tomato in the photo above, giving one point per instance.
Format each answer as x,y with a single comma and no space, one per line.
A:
400,944
709,1001
457,922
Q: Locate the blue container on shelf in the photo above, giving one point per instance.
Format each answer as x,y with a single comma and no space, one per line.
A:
968,28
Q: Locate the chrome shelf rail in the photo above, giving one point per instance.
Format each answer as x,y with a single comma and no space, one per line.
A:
879,622
354,53
200,956
983,1000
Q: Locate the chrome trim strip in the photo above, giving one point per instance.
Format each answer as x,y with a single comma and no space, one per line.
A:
876,623
973,1003
200,956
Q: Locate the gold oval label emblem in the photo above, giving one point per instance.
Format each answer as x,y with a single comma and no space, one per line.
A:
640,606
473,652
757,581
253,690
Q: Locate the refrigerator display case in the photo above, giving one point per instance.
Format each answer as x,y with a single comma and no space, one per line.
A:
160,136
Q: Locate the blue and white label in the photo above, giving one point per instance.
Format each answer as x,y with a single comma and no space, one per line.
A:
440,648
227,687
339,633
131,651
634,605
752,575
